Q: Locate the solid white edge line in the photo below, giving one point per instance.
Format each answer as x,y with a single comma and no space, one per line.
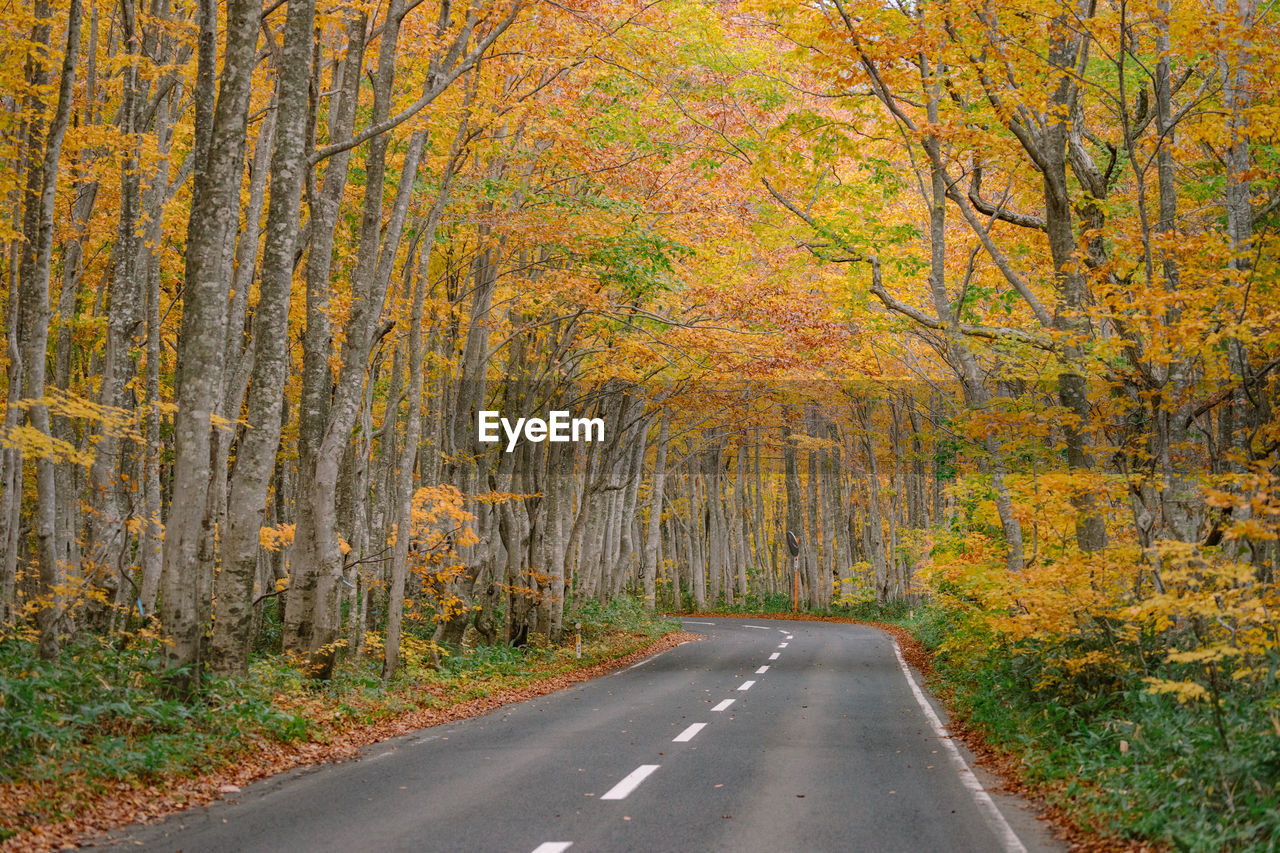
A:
723,705
995,820
651,657
553,847
746,685
687,735
762,670
775,655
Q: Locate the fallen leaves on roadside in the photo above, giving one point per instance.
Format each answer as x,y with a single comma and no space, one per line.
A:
120,803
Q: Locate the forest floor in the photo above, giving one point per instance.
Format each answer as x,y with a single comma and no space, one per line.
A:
111,760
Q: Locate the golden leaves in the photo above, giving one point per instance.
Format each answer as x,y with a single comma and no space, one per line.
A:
1183,691
275,538
106,421
34,444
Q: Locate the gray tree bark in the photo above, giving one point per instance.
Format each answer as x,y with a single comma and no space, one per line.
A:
214,211
256,453
656,494
34,315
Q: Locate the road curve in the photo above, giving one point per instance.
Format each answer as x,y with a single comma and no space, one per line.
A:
765,735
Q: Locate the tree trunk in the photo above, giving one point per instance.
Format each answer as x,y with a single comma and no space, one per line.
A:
256,453
795,505
34,314
298,631
655,513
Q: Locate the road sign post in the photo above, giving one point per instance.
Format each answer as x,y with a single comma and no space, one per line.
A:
795,586
793,545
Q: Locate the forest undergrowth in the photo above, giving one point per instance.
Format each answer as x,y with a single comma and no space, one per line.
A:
1100,746
94,738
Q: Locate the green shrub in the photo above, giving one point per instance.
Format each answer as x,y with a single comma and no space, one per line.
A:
624,613
103,710
1114,755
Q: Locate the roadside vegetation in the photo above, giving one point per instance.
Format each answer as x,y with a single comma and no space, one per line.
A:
100,719
1077,714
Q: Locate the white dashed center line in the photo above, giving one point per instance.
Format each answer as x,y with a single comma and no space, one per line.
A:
789,637
762,670
723,705
775,655
782,645
746,685
553,847
691,622
759,627
687,735
630,782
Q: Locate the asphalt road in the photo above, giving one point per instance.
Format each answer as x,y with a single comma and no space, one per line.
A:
764,736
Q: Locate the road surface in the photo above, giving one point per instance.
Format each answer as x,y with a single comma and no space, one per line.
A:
763,736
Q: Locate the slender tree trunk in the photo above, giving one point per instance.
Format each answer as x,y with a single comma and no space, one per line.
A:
740,527
407,460
655,513
151,548
69,477
874,532
977,397
795,504
256,453
696,530
298,632
812,545
214,211
34,315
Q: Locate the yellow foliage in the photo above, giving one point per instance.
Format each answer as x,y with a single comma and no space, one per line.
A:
1211,654
34,444
1183,691
275,538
